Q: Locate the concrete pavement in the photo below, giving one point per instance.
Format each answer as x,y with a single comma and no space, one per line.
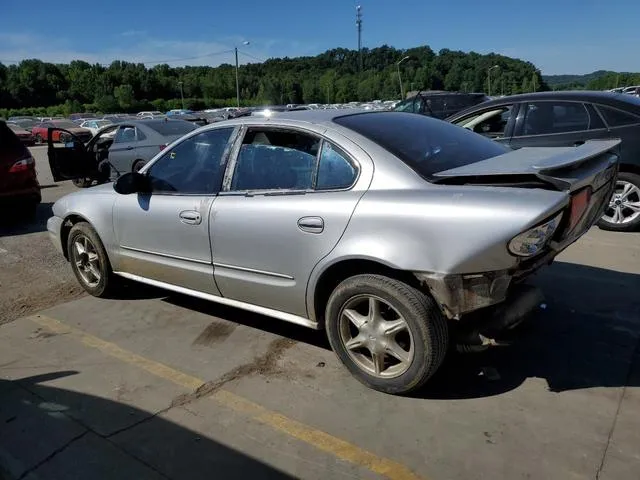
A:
165,386
158,385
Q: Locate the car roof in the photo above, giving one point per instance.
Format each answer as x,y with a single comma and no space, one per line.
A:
309,116
596,96
587,95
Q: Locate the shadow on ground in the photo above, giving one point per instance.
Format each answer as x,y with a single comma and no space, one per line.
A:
65,448
13,222
586,337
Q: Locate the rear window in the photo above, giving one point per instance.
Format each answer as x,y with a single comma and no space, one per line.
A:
425,144
172,127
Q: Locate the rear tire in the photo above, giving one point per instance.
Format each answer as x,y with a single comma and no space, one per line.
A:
406,329
623,212
38,138
89,261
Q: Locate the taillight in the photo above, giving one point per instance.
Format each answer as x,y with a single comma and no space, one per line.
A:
23,165
579,204
162,147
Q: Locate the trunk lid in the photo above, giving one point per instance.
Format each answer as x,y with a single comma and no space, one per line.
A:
592,164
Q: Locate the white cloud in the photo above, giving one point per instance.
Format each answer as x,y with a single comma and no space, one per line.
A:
138,46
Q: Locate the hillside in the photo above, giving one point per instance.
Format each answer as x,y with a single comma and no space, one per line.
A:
598,80
332,76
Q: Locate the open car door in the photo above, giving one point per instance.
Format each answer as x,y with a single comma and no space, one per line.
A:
71,160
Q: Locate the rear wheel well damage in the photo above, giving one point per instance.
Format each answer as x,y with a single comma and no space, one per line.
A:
340,271
67,224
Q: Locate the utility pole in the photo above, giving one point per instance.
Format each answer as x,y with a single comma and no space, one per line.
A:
237,81
359,26
489,79
400,76
181,94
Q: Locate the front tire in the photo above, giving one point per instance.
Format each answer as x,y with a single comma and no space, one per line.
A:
137,166
623,212
82,182
389,335
38,138
89,261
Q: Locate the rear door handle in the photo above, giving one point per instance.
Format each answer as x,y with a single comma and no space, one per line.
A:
311,224
578,143
129,147
190,217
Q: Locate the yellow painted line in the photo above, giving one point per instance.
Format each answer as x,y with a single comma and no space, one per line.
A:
321,440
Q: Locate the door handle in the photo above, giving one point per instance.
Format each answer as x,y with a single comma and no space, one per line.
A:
578,143
129,147
311,224
190,217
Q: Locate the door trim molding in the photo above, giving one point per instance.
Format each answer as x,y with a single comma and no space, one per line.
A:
253,270
165,255
287,317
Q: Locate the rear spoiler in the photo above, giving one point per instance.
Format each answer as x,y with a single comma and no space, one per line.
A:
551,165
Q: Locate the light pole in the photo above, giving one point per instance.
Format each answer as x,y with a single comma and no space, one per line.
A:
181,94
400,77
489,78
237,81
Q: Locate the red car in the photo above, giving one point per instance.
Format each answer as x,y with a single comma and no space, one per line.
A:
19,187
40,131
25,136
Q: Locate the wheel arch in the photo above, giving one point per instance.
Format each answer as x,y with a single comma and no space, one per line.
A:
67,224
630,168
340,270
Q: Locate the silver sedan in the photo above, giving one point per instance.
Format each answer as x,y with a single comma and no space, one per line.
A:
398,234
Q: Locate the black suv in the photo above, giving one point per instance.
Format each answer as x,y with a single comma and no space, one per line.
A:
440,104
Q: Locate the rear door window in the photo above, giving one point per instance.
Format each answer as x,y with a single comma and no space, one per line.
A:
271,159
543,118
335,171
617,118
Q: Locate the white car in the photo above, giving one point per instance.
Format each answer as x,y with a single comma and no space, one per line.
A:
95,125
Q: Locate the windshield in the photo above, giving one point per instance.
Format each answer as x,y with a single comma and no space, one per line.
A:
103,123
172,127
425,144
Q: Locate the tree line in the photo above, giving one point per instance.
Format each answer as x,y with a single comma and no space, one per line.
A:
599,80
34,87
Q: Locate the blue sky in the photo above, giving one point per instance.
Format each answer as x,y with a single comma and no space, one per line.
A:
559,36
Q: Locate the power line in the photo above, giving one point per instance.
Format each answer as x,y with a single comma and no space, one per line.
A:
251,56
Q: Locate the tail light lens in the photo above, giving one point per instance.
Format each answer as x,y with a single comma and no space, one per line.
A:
532,241
162,147
579,203
23,165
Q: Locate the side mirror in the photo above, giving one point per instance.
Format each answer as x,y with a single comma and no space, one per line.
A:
132,182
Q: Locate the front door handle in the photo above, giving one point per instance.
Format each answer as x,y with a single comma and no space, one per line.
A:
311,224
129,147
578,143
190,217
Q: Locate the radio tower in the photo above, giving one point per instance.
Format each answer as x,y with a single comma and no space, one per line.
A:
359,25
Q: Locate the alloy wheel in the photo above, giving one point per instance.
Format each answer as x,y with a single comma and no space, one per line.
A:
376,336
624,206
87,261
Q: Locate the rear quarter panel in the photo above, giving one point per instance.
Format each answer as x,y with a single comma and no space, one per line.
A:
445,229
